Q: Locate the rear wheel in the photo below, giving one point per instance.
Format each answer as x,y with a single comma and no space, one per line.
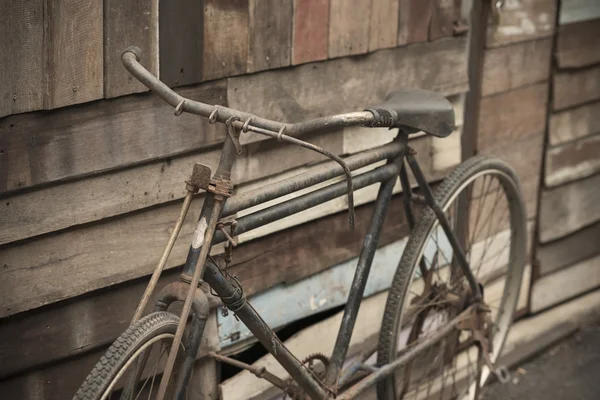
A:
138,356
429,289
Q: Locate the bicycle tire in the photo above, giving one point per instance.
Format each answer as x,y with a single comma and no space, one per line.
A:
405,273
119,353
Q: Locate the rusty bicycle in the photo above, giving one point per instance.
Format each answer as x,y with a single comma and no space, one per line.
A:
451,301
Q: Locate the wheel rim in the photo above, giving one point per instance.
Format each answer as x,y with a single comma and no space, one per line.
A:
149,379
501,291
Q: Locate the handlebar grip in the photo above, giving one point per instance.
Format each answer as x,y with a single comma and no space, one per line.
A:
135,50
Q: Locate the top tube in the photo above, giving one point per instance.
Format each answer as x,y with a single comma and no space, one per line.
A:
132,55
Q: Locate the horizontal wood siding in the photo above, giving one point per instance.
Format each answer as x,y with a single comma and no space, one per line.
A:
522,20
573,160
572,88
575,46
574,123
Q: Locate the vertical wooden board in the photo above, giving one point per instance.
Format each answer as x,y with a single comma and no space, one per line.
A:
74,51
572,11
509,67
569,250
181,41
384,24
311,31
43,147
269,34
445,13
577,45
522,20
573,160
509,116
225,38
574,123
568,208
128,23
348,27
414,21
21,61
576,87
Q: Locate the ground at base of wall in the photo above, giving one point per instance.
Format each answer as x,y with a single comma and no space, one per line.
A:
568,370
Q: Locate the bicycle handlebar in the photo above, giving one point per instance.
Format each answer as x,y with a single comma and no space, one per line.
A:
131,60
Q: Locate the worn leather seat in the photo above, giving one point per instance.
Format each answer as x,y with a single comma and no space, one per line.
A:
416,110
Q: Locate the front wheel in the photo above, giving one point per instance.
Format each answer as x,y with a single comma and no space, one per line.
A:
146,343
429,288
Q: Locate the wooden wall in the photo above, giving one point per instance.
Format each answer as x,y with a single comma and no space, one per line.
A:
569,218
92,167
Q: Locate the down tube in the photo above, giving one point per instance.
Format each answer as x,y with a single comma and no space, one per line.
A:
359,282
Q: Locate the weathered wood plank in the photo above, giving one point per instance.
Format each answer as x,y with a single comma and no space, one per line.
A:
21,49
574,123
508,117
113,251
522,20
61,381
572,11
571,88
510,67
270,34
225,38
565,284
568,208
525,156
572,249
310,91
571,161
306,251
45,147
414,21
74,51
311,29
445,14
348,27
128,23
575,47
383,31
181,41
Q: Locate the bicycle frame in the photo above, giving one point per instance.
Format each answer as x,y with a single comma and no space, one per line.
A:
219,204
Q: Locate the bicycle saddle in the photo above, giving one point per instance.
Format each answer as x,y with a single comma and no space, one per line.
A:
415,110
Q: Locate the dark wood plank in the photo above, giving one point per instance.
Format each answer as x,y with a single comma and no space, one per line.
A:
575,47
225,38
510,67
574,248
523,20
414,21
181,41
574,123
348,27
509,116
269,34
310,91
571,88
311,30
445,14
21,50
566,209
383,31
573,160
74,51
116,250
128,23
46,147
